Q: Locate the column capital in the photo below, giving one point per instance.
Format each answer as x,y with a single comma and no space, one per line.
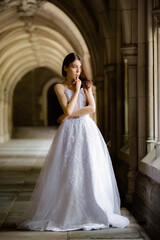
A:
99,80
110,69
129,52
156,13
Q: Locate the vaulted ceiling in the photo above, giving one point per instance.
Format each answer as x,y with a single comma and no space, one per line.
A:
39,34
35,33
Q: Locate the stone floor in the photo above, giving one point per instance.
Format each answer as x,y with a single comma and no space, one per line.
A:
20,163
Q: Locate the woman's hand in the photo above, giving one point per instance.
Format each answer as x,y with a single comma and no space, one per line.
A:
62,118
77,82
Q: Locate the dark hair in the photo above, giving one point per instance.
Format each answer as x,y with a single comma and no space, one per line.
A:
71,57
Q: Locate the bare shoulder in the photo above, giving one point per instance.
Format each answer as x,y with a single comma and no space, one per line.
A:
59,87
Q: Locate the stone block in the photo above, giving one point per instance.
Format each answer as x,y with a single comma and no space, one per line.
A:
155,196
32,235
105,234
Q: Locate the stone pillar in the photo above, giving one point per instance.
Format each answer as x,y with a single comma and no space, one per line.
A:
2,116
5,115
5,118
106,108
157,16
111,73
141,83
1,120
150,95
158,102
10,113
99,82
9,118
125,135
7,137
130,56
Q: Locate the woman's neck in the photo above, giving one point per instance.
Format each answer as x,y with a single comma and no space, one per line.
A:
68,82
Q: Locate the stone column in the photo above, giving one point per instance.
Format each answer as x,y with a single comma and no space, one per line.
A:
141,83
112,91
5,115
99,82
130,56
125,103
150,95
157,16
7,136
106,108
10,113
125,136
2,120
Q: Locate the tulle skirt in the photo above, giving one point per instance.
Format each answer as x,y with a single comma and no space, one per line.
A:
76,188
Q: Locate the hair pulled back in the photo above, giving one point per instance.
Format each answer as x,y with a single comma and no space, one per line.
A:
71,57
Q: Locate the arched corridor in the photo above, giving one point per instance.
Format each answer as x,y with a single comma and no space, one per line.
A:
53,106
119,41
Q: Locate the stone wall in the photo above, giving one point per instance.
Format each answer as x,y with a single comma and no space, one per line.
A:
146,204
146,198
121,171
26,105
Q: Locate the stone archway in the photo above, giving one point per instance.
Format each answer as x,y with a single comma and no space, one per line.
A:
44,99
33,36
53,107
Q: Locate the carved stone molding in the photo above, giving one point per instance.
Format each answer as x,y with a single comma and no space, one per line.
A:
130,53
129,50
111,70
25,8
156,12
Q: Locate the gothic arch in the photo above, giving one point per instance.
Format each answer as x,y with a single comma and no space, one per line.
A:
43,99
33,36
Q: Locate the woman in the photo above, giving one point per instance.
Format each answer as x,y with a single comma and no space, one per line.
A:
76,188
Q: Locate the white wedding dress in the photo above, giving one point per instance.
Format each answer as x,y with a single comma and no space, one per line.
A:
76,188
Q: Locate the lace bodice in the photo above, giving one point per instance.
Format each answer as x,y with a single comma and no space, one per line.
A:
81,101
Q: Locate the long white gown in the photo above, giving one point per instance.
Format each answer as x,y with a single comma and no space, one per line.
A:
76,188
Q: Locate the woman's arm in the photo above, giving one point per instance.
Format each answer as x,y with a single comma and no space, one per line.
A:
67,107
90,108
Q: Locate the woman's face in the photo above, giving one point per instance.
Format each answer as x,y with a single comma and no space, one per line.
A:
74,69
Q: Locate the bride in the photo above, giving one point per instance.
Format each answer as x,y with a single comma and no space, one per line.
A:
76,188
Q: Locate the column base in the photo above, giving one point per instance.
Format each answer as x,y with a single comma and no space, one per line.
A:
150,145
